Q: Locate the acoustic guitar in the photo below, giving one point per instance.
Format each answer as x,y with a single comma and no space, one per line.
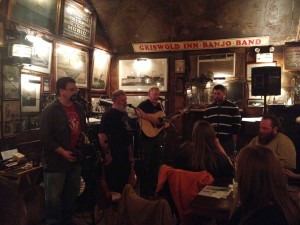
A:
152,130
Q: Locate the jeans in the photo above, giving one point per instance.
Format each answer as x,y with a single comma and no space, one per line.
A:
61,191
153,157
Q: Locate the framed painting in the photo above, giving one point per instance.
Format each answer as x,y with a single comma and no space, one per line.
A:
72,62
46,84
41,55
35,13
291,58
77,22
30,93
101,62
1,34
255,103
252,65
250,96
138,75
11,118
179,66
11,82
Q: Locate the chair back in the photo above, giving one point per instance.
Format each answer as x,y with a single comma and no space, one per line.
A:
184,186
135,210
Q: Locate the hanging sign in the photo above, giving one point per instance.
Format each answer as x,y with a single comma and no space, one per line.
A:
77,23
200,45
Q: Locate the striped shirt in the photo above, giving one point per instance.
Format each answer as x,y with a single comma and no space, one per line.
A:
225,117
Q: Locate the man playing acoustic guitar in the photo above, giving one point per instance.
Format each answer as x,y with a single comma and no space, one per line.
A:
151,122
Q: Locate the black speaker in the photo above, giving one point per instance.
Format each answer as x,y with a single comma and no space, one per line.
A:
266,80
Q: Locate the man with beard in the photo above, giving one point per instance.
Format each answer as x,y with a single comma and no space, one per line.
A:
115,137
271,137
61,131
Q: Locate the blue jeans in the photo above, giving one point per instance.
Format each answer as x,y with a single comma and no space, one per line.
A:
61,191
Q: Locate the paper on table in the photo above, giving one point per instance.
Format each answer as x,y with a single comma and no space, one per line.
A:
8,154
215,191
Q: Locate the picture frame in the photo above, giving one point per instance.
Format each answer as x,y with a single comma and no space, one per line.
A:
101,63
46,84
39,15
250,96
291,58
11,82
72,62
34,122
255,103
138,75
253,65
179,66
1,34
77,22
24,123
11,118
30,93
41,55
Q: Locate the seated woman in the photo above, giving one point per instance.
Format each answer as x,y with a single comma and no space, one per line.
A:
204,153
262,190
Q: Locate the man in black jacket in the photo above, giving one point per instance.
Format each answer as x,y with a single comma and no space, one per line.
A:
61,132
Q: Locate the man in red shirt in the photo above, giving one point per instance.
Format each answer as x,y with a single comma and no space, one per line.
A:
62,126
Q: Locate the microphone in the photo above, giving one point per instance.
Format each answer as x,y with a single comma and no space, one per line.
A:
131,106
161,99
79,98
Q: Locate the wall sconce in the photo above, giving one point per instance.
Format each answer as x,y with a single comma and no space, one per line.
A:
20,49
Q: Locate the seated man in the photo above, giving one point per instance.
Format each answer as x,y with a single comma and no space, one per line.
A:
270,136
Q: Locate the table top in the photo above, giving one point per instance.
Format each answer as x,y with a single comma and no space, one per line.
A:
213,207
20,170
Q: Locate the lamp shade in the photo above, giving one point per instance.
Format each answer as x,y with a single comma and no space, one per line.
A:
20,50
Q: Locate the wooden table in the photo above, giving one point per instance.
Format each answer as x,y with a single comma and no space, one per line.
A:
212,207
24,174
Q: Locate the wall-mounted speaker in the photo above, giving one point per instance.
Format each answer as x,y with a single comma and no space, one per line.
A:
266,80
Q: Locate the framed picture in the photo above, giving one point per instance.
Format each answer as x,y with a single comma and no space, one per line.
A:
255,103
30,93
11,82
291,58
72,62
41,55
46,84
180,66
138,75
101,62
45,99
1,34
33,122
77,22
34,13
11,118
24,123
250,96
250,66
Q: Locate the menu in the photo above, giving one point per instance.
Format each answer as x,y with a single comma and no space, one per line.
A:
292,58
215,191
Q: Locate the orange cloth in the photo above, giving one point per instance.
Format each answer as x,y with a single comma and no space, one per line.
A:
134,210
184,185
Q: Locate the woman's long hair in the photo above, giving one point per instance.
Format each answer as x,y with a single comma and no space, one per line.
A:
261,182
203,155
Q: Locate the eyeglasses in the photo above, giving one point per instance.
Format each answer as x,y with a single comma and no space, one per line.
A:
72,89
